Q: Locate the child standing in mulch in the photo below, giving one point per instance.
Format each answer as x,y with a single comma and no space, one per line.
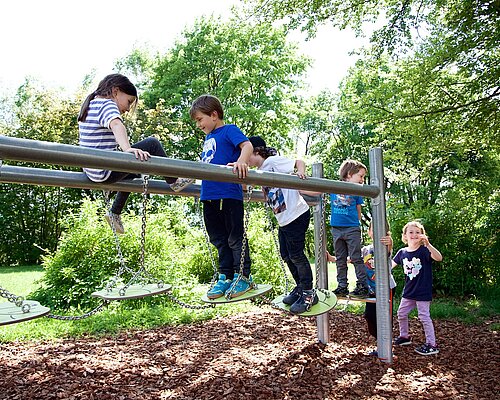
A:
416,260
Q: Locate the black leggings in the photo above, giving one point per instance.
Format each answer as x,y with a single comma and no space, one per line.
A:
153,147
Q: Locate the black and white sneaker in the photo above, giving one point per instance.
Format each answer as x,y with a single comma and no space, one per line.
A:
341,292
360,292
308,299
427,350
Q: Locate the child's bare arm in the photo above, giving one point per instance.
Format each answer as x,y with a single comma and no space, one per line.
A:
435,253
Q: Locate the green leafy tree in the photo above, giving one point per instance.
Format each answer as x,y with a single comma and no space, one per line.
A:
427,91
30,215
252,69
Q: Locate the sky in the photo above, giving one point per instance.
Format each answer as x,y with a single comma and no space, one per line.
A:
59,42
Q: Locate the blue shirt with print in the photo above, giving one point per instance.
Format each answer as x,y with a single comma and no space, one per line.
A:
344,210
222,147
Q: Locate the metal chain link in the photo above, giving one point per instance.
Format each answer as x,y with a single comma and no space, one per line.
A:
79,317
208,245
187,305
113,281
244,244
17,300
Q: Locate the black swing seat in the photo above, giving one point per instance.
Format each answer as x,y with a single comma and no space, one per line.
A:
11,314
326,302
348,299
132,292
258,290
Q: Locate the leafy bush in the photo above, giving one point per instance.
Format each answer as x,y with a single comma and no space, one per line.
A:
176,252
86,256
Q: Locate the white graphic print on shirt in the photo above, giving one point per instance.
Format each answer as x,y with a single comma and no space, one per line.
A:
209,149
412,268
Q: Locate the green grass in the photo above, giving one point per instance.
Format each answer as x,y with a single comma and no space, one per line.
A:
20,281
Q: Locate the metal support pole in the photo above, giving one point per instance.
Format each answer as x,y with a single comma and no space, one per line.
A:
322,321
383,306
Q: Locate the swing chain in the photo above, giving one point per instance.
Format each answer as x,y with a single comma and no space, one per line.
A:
186,305
244,244
207,242
17,300
145,182
79,317
114,280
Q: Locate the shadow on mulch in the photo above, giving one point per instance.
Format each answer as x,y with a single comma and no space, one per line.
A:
256,355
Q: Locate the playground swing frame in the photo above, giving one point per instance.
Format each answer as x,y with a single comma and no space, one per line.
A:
17,149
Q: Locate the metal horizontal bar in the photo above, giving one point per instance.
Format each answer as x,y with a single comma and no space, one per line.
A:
51,177
64,154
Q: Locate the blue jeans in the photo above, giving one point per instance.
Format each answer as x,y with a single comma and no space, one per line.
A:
151,145
292,238
347,242
224,222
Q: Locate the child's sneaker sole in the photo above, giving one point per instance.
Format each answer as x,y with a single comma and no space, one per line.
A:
181,183
115,221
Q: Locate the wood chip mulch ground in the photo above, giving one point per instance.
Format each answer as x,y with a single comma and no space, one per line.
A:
256,355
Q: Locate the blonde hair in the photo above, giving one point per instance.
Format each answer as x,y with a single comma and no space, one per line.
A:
416,224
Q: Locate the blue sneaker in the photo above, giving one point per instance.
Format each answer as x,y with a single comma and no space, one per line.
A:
238,288
220,287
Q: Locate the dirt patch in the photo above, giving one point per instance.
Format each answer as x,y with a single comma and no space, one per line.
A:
256,355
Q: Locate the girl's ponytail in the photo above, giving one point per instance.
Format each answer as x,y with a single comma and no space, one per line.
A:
85,107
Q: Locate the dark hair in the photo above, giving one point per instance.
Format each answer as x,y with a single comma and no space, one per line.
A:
350,167
260,147
105,89
206,104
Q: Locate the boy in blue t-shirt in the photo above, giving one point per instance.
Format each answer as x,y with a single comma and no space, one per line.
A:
346,231
222,201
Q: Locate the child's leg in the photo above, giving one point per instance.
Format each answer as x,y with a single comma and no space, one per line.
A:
153,147
217,232
292,238
121,197
424,315
353,240
371,318
233,211
405,308
285,255
341,253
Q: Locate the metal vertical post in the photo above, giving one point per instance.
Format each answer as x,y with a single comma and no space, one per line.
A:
382,267
322,321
